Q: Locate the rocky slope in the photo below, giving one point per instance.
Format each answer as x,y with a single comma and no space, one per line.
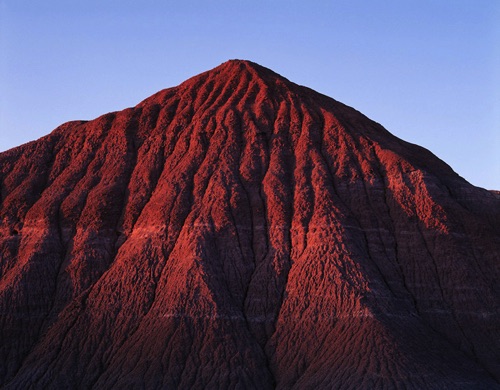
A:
241,231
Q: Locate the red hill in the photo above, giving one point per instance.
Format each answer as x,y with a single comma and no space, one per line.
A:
241,231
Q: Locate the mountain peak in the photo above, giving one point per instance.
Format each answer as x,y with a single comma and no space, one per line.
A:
238,69
237,66
233,77
239,63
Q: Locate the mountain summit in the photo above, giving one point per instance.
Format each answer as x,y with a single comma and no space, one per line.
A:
241,231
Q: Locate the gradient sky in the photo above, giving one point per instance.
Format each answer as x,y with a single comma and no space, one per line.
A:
427,70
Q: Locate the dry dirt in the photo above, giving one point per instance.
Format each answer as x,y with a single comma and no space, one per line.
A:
240,231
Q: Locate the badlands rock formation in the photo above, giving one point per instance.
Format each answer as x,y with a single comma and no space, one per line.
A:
240,231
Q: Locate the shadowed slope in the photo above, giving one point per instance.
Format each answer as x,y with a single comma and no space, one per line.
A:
242,231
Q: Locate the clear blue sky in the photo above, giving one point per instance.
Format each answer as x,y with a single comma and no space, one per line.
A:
427,70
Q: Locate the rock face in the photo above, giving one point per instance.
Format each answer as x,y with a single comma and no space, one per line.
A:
241,231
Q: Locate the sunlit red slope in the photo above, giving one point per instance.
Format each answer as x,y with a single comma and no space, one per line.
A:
241,231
